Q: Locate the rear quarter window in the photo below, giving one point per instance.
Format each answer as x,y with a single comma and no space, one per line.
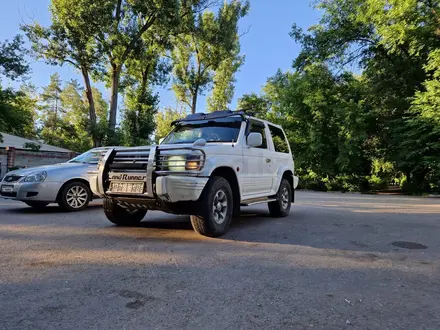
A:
279,140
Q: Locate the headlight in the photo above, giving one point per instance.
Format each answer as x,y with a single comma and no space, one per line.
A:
36,177
192,162
177,163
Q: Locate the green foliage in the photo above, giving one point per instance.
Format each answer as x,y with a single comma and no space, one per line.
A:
64,116
223,82
32,145
201,55
255,104
163,122
64,42
117,26
16,107
138,117
351,130
144,69
17,111
51,111
12,62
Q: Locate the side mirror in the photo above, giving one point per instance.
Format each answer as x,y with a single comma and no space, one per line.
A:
161,140
254,140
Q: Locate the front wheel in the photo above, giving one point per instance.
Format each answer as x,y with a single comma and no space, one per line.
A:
121,216
37,205
74,196
216,209
281,207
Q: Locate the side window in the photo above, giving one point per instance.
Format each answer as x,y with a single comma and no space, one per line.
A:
279,140
258,127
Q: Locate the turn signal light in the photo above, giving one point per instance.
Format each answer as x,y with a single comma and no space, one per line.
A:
192,165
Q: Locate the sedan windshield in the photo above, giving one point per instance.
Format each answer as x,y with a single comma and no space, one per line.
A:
218,130
89,157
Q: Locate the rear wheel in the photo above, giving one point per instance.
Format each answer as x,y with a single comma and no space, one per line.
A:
37,205
216,209
281,207
121,216
74,196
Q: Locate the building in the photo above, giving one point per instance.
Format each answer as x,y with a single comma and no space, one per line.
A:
14,153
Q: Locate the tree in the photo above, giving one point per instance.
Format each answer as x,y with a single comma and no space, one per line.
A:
223,82
16,112
138,121
12,62
144,69
198,53
76,118
255,104
73,44
50,108
394,44
163,122
117,26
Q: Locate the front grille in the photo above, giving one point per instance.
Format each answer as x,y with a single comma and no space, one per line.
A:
130,159
12,178
8,194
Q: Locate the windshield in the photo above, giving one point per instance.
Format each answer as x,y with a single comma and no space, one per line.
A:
89,157
218,130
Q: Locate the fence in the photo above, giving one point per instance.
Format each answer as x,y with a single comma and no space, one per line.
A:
11,158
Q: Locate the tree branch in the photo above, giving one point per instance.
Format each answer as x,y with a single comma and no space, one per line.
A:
133,41
76,65
118,13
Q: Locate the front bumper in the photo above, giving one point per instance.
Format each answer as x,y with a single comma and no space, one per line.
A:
31,191
170,188
139,166
179,188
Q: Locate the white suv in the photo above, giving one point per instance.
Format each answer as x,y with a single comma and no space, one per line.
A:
207,167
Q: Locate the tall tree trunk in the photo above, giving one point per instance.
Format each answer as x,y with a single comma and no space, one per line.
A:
92,110
194,101
116,71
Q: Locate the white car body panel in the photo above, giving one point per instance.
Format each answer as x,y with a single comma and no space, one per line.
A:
258,171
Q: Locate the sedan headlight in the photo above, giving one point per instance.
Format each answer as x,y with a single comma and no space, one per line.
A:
36,177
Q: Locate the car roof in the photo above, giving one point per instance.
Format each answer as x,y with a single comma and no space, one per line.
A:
266,121
221,114
105,148
209,116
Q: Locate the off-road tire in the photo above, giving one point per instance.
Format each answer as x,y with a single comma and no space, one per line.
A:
278,208
120,216
62,196
37,205
205,223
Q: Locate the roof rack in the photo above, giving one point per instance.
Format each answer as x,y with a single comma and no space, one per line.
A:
213,115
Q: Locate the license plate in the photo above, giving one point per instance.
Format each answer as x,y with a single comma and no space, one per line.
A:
127,187
7,188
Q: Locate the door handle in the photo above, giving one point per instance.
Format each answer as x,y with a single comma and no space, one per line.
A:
268,160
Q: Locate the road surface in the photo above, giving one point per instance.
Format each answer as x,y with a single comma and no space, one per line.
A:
339,261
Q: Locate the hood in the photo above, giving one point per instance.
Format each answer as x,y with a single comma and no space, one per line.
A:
28,171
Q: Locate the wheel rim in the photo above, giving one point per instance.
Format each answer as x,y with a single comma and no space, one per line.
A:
284,198
77,197
220,207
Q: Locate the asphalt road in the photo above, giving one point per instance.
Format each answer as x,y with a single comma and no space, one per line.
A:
330,265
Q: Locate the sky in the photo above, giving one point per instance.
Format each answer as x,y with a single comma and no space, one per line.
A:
266,43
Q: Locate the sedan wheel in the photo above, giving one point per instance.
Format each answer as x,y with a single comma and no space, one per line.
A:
74,196
77,197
